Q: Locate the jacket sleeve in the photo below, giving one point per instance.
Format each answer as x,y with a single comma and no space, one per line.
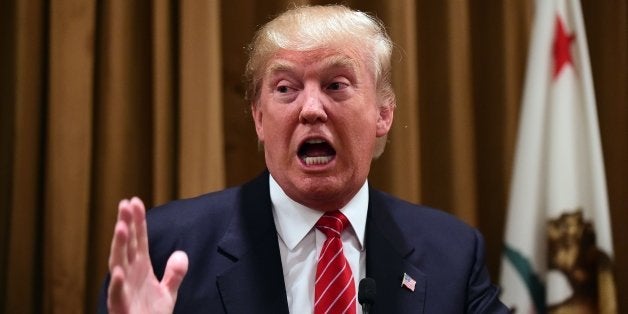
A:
482,296
101,306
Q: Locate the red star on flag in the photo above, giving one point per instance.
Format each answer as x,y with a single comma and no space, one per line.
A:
562,43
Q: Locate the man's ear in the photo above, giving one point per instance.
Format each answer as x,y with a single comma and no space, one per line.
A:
385,119
256,112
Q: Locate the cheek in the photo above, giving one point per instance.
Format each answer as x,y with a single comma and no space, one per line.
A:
277,127
361,132
366,122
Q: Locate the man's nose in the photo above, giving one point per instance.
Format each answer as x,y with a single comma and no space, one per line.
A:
313,109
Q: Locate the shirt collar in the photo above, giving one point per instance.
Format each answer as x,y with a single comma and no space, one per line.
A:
294,221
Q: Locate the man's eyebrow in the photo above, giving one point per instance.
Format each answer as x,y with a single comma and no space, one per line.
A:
331,62
340,61
280,66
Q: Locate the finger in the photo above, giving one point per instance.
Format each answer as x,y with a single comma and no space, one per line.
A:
125,212
176,268
132,242
118,254
116,302
139,217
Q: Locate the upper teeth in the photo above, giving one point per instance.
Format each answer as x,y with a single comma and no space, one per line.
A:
316,141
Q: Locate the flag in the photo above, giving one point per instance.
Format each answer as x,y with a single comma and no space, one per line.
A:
408,282
558,247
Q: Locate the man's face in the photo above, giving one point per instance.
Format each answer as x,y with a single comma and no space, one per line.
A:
319,118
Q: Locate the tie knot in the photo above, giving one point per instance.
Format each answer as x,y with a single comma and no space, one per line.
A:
332,224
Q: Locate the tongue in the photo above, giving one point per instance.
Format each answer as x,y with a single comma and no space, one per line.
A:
317,150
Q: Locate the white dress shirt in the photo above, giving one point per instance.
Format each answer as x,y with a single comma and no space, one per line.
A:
300,244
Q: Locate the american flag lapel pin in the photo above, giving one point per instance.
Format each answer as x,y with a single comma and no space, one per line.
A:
408,282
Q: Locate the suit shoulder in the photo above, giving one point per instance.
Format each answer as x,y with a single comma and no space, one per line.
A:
213,209
416,214
426,225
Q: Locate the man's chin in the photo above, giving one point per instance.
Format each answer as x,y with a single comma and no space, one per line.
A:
321,194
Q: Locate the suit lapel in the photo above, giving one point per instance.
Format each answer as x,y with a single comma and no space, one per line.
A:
386,253
254,284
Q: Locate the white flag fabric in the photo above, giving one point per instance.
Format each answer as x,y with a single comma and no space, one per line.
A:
558,246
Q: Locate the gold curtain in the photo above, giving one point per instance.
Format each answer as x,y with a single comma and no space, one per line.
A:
102,100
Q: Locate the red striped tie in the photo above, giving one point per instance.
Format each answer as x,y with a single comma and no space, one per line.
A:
334,289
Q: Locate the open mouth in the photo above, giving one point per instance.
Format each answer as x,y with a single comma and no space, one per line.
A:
316,152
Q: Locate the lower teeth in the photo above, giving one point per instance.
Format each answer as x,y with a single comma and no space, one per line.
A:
317,160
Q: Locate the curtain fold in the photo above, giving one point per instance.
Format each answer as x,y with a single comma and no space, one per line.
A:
403,147
164,93
200,126
67,153
123,124
21,181
104,100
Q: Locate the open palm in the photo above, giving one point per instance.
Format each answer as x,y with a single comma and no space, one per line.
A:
134,287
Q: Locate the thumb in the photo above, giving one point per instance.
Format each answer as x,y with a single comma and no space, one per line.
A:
176,268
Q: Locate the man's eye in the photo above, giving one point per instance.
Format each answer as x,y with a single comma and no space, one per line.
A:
284,89
336,86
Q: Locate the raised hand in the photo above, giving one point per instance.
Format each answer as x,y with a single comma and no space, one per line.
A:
134,287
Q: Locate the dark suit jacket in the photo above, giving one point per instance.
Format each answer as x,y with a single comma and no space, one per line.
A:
235,266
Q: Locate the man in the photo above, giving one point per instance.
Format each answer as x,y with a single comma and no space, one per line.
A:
300,237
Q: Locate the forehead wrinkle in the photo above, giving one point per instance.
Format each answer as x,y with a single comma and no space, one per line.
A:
330,62
340,61
280,65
